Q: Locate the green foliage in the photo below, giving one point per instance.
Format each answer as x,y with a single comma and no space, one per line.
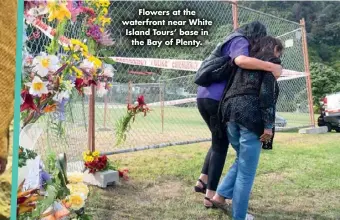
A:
24,155
123,125
325,80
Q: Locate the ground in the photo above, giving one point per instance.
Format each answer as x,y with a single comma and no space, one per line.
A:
297,180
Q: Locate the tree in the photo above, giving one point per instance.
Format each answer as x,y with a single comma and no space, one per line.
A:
325,80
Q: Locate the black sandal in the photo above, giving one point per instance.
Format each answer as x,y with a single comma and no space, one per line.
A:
202,189
209,206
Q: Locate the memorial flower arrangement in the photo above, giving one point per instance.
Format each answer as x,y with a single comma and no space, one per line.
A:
62,194
50,78
95,162
123,125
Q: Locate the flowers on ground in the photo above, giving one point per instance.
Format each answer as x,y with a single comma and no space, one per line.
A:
76,201
78,188
75,177
95,162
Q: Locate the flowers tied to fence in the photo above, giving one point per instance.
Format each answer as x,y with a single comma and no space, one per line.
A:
51,77
123,125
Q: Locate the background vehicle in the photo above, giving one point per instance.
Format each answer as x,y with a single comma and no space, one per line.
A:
330,112
280,121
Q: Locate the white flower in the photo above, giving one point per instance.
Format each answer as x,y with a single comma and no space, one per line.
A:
87,65
28,58
36,11
45,63
61,95
38,87
101,90
108,70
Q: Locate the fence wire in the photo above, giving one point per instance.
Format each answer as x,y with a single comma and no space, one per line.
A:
171,94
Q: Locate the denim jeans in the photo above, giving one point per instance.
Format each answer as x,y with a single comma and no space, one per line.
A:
237,184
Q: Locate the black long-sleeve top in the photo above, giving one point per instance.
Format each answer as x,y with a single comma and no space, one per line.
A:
251,99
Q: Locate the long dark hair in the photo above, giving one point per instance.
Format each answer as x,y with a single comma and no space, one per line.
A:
253,31
266,45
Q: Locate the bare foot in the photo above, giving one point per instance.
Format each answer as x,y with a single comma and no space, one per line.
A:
3,164
219,199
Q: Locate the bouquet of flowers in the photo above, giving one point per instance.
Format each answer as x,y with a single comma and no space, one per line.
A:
51,77
95,162
123,125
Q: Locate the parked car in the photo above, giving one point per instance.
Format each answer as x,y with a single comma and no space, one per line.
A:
280,121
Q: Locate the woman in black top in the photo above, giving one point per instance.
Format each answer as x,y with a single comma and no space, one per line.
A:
248,107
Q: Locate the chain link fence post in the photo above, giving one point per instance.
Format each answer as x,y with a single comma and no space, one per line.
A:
307,71
235,14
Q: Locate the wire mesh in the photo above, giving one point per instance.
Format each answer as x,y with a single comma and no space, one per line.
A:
171,94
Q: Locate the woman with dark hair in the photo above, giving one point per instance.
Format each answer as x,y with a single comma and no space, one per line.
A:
248,108
237,46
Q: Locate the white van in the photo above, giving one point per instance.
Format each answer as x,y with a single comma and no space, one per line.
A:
330,112
331,104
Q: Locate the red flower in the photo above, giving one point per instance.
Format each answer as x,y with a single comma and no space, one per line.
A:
79,83
141,101
124,174
28,102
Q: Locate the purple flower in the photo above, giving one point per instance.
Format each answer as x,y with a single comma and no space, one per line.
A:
106,39
44,177
94,32
61,109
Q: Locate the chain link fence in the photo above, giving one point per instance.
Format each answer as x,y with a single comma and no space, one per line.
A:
171,94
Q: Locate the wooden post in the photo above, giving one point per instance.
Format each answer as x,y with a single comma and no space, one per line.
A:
235,14
105,110
91,130
129,98
307,70
161,100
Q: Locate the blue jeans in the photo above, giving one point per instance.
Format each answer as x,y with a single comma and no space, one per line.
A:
237,184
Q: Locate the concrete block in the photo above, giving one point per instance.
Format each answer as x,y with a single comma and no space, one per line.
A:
316,130
101,179
75,166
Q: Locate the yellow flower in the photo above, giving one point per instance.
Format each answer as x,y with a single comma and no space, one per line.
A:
89,159
75,56
105,11
75,177
97,62
77,71
95,153
58,11
104,3
77,201
104,20
77,45
78,188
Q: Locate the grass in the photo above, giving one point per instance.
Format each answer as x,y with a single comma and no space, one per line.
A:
299,179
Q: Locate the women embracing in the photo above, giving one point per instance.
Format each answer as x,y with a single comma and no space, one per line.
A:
236,49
